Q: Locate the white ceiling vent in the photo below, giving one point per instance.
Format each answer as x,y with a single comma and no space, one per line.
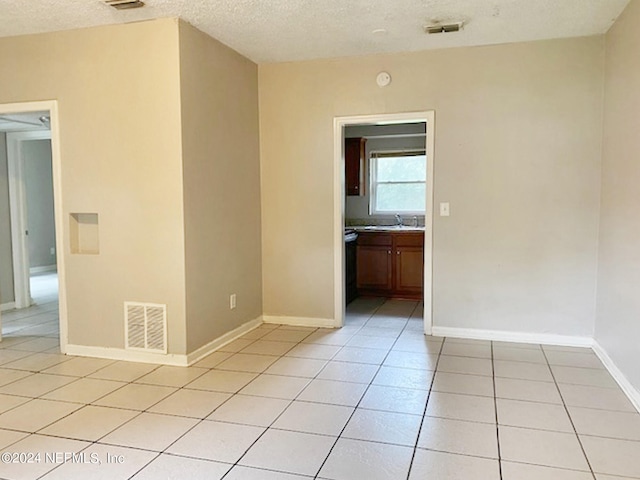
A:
124,4
145,327
442,28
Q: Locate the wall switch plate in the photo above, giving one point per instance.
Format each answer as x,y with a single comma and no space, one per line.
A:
52,251
444,209
232,301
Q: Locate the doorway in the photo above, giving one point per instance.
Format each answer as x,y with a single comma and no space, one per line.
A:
409,129
32,293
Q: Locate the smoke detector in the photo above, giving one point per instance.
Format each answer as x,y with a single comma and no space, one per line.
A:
443,28
124,4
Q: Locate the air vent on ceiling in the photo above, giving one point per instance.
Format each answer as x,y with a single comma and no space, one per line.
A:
441,28
145,327
124,4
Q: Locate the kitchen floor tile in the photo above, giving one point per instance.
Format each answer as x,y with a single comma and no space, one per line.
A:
283,335
522,370
613,457
514,389
276,386
8,437
190,403
123,371
361,355
313,350
520,471
36,414
529,355
461,407
79,366
392,399
333,392
596,397
317,418
36,385
463,384
84,390
171,467
446,466
135,397
603,423
265,347
249,473
456,436
348,372
213,359
587,359
420,361
296,367
542,416
7,402
584,376
384,427
466,350
9,376
248,410
90,423
404,378
247,362
221,381
172,376
471,366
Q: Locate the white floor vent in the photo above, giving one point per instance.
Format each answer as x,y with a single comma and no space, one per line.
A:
145,327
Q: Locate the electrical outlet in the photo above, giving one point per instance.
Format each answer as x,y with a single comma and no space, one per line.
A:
52,251
444,209
232,301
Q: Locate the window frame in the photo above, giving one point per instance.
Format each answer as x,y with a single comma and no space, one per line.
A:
373,183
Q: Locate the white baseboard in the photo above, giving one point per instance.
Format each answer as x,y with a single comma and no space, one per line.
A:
7,306
43,269
518,337
228,337
178,360
632,393
301,321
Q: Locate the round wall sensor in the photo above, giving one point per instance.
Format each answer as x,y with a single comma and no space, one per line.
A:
383,79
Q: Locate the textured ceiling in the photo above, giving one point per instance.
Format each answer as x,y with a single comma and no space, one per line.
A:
289,30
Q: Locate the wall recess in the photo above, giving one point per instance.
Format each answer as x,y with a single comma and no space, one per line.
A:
84,234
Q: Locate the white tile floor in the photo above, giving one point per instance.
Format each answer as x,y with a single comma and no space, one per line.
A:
376,400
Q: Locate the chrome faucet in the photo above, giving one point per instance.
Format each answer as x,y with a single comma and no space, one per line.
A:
398,220
415,221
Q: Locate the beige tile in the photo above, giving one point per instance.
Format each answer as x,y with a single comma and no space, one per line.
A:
291,452
7,355
529,355
36,385
530,346
276,386
542,416
247,362
123,371
553,449
468,341
393,399
587,359
79,366
456,436
171,467
466,350
8,437
132,461
150,431
7,402
249,473
296,367
317,418
461,407
464,384
372,356
236,345
368,341
520,471
418,361
514,389
330,337
213,359
9,376
222,381
613,457
447,466
404,378
418,344
84,390
563,348
37,362
172,376
223,442
135,397
382,332
348,372
384,427
471,366
283,335
90,423
266,347
36,414
603,423
38,345
256,333
313,350
190,403
355,459
584,376
611,477
248,410
595,397
333,392
522,371
38,444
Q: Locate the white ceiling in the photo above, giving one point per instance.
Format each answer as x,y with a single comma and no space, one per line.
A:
290,30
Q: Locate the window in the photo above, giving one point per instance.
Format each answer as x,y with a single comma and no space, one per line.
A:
398,182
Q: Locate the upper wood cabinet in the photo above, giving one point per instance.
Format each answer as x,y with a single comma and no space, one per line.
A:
354,160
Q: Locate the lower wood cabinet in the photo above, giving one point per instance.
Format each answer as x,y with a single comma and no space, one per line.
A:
390,264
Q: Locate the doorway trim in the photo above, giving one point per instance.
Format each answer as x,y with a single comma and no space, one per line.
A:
52,107
339,123
17,207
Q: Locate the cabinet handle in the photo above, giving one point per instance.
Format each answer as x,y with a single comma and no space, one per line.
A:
389,252
398,253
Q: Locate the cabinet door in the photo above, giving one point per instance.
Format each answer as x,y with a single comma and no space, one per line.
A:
374,268
354,153
409,276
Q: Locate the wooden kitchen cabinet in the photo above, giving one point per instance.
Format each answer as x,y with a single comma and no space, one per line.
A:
354,161
391,264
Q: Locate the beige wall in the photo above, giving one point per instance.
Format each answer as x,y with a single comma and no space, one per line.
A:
617,325
119,108
6,260
221,186
518,140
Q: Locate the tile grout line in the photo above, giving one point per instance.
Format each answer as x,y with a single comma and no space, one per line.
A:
495,404
566,409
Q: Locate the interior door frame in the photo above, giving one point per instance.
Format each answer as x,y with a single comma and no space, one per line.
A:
52,107
339,124
18,213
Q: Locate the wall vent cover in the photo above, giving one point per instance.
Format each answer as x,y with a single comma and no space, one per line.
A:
124,4
145,327
440,28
